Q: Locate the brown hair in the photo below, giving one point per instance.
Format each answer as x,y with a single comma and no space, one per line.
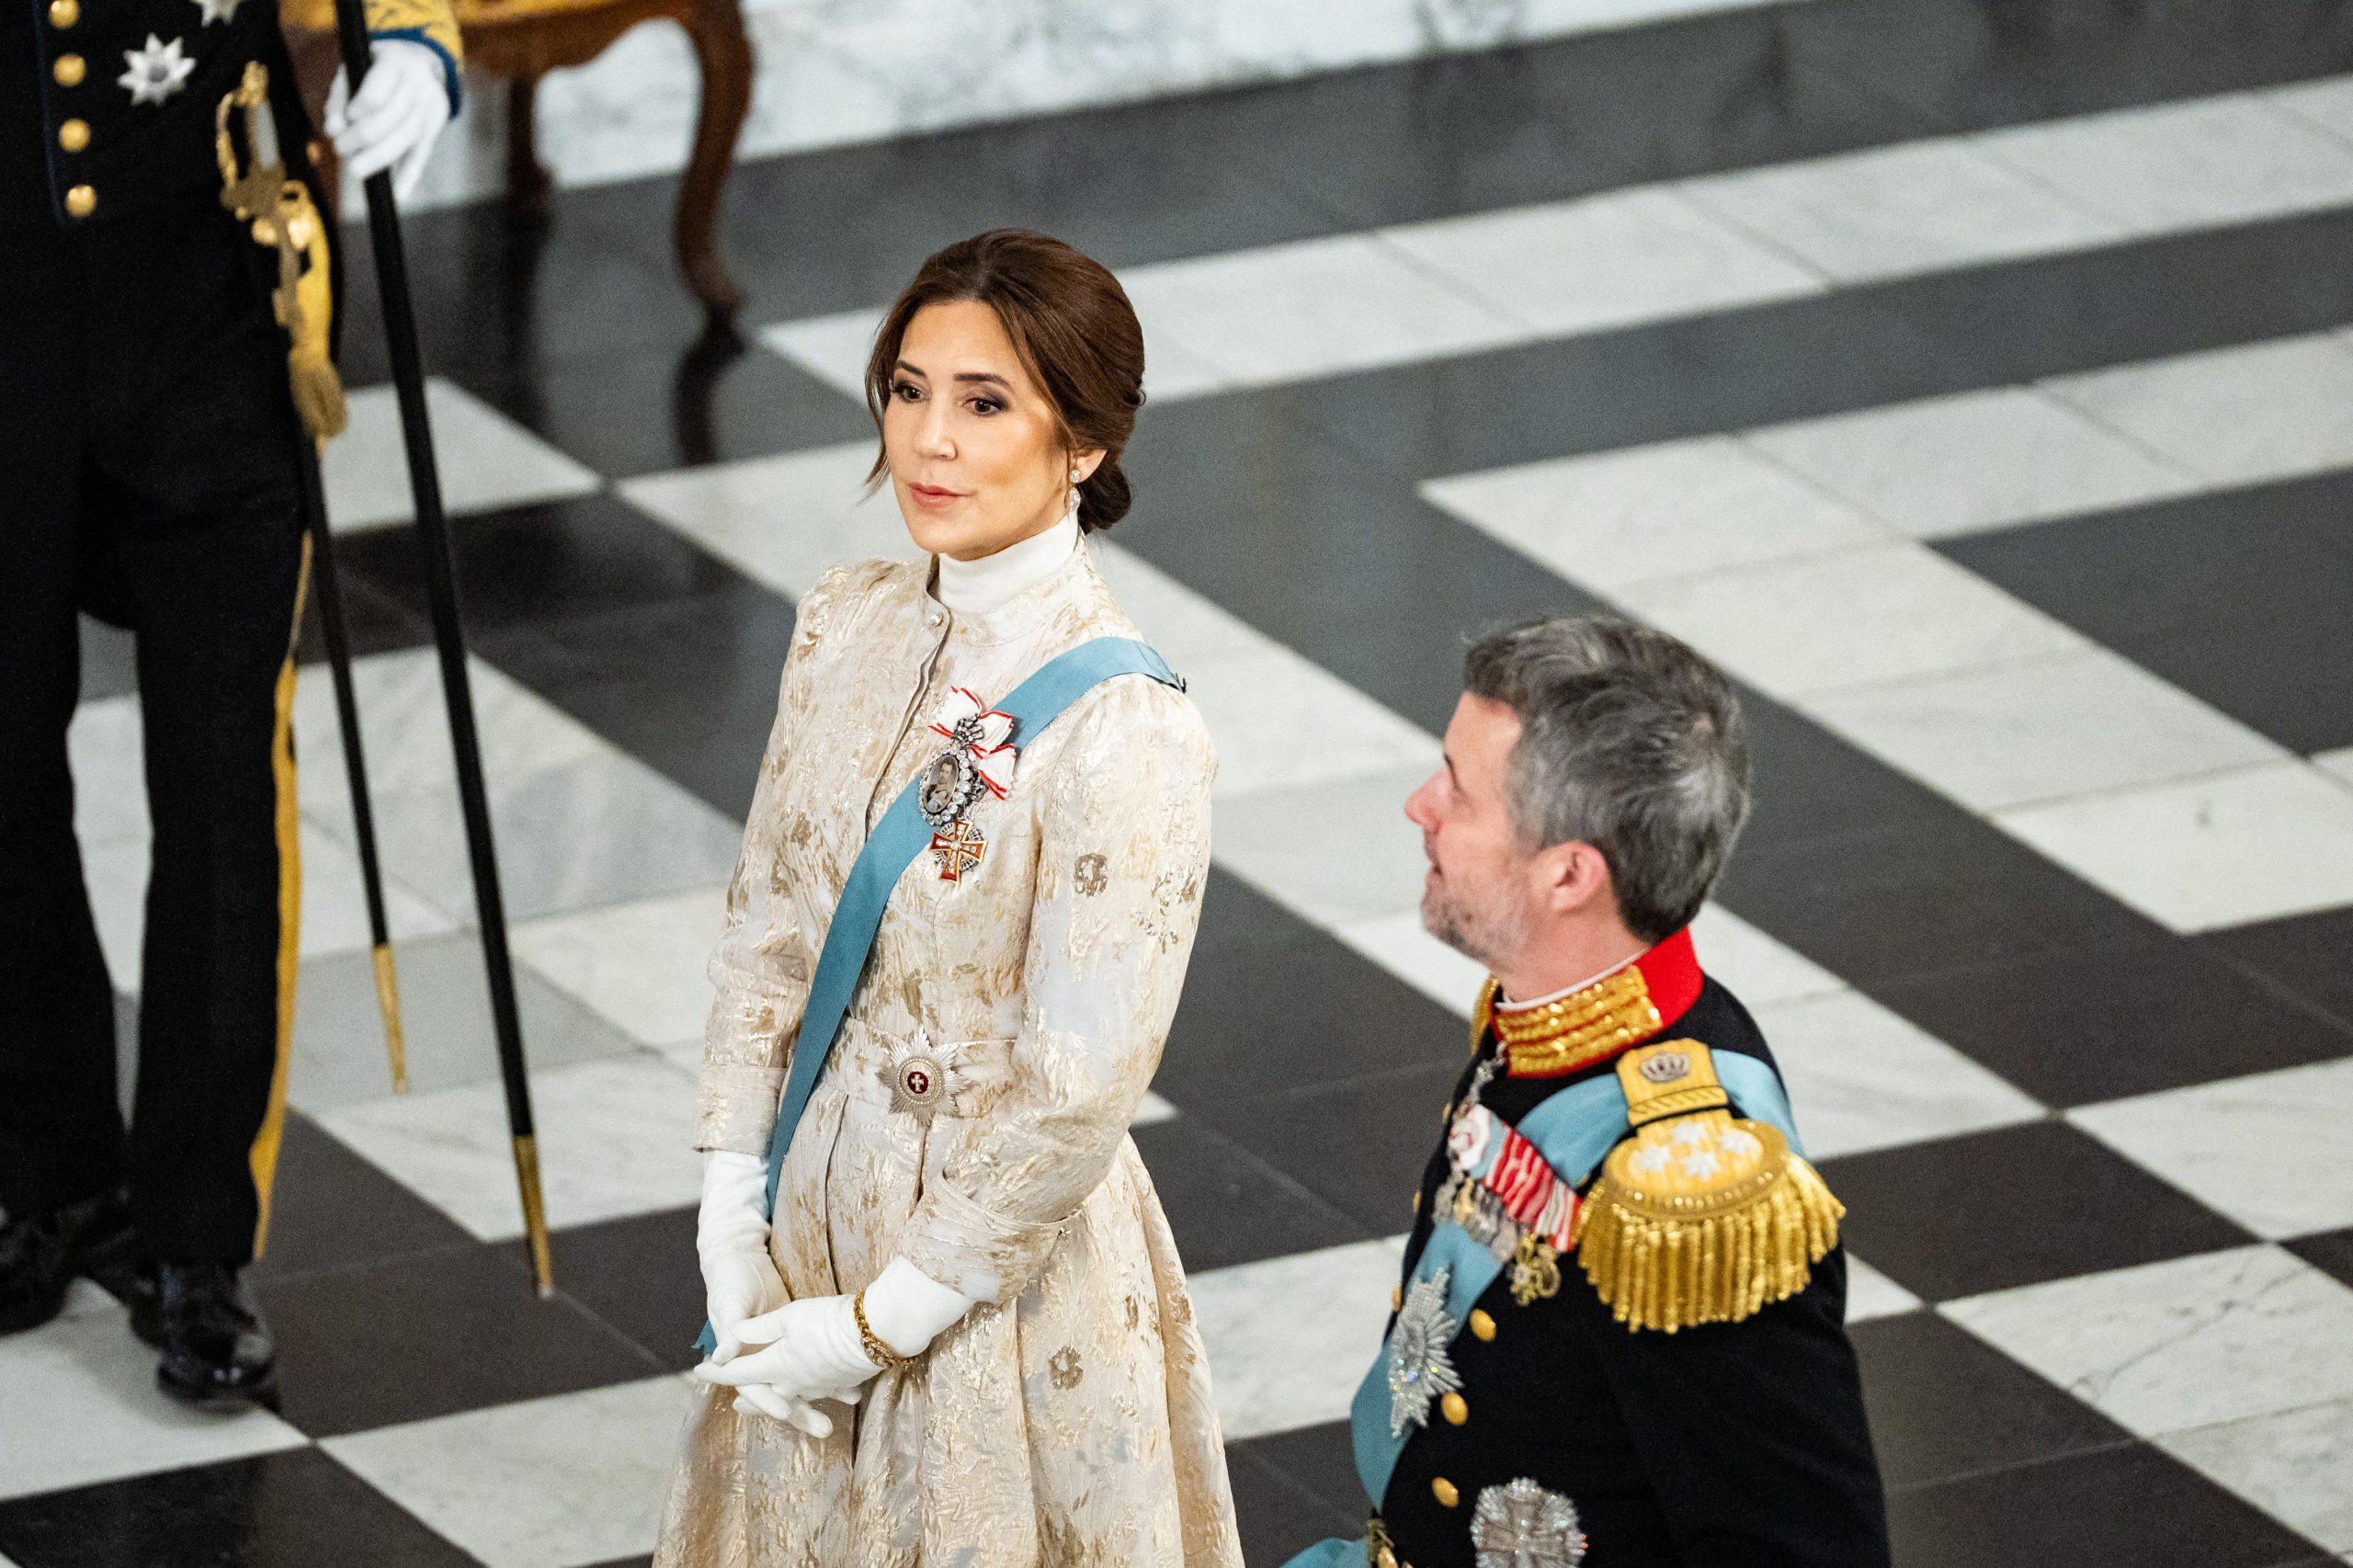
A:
1071,323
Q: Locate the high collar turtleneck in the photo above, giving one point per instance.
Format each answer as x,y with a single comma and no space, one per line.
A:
976,587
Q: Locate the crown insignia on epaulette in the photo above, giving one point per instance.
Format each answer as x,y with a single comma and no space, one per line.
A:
1701,1216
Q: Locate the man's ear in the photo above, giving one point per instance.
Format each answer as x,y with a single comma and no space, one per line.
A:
1575,875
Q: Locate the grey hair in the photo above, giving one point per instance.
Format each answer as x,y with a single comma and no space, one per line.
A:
1630,742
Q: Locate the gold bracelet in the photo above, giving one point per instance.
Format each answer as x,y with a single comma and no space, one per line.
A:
881,1354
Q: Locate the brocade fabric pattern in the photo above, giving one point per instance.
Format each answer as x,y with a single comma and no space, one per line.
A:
1067,1419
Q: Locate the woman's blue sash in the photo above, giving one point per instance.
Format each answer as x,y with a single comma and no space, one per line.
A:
890,848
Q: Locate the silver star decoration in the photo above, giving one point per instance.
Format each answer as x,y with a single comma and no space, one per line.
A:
156,72
1419,1368
1520,1525
218,10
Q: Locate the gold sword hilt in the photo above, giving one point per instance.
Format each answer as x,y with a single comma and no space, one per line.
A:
284,218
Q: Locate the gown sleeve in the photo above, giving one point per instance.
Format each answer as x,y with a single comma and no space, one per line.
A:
760,971
1123,849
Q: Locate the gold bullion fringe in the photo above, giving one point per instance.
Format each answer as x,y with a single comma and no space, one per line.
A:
1662,1271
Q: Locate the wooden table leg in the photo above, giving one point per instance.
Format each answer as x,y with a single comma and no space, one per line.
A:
723,50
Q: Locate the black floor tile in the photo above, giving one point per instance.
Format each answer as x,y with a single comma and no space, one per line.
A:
2123,1507
1359,1143
2015,1206
1277,1518
298,1509
653,411
2330,1252
2239,596
1944,1404
445,1332
640,1277
2308,957
1320,1461
331,1210
1227,1206
2080,1027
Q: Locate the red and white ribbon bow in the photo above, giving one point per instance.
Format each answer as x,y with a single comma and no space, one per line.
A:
993,753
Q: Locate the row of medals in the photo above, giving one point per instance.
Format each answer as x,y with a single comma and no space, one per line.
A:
1535,1264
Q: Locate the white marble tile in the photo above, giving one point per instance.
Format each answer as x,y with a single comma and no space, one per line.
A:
1337,852
80,1406
2171,166
1184,625
616,1139
1980,460
1610,519
2274,1150
108,756
1310,308
1289,1339
781,520
2326,102
2238,416
1757,968
2293,1466
2040,728
639,965
1600,262
2201,853
1860,1077
1399,944
555,1483
1848,618
1870,1294
486,459
2167,1346
2337,764
1282,722
834,348
1914,207
339,1054
1150,1110
115,875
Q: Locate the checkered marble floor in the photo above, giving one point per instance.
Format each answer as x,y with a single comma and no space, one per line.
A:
1975,385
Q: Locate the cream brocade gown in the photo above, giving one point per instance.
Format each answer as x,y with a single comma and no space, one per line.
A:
1066,1420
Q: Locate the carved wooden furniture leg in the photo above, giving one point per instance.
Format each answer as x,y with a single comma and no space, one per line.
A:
528,182
724,52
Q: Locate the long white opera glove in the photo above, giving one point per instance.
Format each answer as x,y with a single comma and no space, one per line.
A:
397,117
739,1279
813,1350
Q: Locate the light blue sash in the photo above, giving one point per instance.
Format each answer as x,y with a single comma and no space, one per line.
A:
890,848
1573,1130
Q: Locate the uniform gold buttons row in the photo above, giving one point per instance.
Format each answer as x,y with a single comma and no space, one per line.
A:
73,135
81,202
69,69
63,13
1448,1496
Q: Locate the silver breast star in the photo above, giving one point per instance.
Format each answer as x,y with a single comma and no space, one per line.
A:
218,10
1520,1525
156,72
1419,1368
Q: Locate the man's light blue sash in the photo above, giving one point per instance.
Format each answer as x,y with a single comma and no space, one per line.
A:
1573,1130
890,848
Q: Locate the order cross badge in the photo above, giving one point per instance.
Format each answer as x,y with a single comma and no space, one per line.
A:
960,848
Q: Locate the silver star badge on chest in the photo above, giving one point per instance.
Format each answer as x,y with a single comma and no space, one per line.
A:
218,10
1520,1525
1420,1371
155,72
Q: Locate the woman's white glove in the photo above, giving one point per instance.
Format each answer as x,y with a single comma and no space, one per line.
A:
739,1279
393,124
813,1350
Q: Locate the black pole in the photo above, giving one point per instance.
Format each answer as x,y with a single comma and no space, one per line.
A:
355,757
449,637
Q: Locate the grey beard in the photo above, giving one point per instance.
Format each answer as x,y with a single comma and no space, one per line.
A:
1487,935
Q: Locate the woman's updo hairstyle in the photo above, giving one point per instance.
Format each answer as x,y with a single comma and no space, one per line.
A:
1071,323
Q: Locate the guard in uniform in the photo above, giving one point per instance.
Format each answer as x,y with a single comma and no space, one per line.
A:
1618,1341
148,443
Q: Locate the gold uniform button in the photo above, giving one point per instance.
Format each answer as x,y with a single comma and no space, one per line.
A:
64,13
69,69
73,135
1457,1409
1482,1324
1397,1298
81,202
1445,1492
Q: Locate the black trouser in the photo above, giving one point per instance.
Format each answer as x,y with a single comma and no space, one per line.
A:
147,453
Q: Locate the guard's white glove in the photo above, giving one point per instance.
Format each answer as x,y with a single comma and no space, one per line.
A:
813,1350
398,114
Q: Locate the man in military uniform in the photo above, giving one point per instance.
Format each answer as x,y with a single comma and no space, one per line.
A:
148,443
1618,1341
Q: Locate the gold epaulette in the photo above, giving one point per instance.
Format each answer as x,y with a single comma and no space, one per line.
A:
1482,1012
1699,1217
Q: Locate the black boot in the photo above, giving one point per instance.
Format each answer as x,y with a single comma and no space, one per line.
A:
40,1254
217,1351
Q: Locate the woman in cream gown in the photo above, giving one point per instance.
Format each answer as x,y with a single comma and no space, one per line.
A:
964,1161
